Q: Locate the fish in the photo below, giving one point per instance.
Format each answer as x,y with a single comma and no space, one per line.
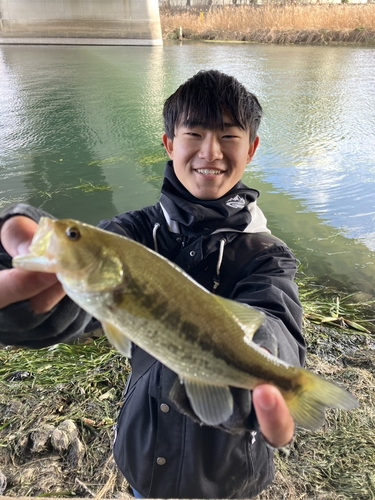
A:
141,297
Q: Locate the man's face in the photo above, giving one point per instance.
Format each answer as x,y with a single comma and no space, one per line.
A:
210,162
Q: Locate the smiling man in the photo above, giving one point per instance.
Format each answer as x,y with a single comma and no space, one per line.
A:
207,222
210,161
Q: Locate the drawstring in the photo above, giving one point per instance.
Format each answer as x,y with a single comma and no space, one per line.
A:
218,265
154,231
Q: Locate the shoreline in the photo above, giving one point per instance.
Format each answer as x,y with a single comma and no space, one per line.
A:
278,37
318,24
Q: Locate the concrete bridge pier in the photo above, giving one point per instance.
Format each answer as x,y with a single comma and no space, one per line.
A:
80,22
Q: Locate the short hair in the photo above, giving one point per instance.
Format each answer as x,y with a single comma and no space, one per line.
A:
202,100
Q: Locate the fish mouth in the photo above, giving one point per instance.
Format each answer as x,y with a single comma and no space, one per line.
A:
39,258
42,238
32,262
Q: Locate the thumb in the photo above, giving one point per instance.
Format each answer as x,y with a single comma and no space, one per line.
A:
274,418
16,235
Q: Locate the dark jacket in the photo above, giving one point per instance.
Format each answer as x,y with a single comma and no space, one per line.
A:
161,452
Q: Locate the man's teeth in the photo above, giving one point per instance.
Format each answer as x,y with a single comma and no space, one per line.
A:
208,171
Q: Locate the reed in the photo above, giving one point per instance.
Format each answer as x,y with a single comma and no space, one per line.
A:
275,23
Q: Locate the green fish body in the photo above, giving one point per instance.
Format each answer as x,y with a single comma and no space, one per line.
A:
141,297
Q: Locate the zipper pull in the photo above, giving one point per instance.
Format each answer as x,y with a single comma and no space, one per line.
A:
216,281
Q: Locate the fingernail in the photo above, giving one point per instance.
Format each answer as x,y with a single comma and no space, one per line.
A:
23,248
267,400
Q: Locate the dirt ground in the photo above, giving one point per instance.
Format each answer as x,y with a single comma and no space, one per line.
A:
58,408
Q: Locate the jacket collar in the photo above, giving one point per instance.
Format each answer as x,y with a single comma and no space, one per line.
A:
237,211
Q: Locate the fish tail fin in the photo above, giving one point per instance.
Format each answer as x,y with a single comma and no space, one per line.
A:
312,395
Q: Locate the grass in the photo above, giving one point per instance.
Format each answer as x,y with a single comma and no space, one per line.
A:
323,305
338,461
270,23
41,389
83,383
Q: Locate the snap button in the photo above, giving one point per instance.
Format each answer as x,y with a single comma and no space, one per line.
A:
161,461
192,253
164,408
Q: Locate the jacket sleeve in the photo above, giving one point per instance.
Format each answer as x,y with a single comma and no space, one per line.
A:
268,285
18,323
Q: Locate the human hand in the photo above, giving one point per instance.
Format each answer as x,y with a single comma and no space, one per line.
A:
274,419
43,290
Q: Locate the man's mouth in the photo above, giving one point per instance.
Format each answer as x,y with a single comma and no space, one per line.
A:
208,171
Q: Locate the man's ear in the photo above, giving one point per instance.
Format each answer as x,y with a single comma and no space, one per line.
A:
168,144
252,148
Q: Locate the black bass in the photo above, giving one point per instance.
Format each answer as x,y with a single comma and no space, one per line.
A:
141,297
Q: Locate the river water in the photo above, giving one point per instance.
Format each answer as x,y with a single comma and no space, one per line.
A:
80,136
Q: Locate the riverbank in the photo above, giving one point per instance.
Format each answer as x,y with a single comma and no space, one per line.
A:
283,24
58,407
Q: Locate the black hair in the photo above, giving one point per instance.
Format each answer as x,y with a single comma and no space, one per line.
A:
202,100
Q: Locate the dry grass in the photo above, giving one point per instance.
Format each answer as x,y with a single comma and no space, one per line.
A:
277,24
41,389
338,461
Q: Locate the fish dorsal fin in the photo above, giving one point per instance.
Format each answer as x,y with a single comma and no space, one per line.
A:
213,404
247,317
118,339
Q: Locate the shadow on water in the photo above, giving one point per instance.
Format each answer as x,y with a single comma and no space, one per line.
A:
324,253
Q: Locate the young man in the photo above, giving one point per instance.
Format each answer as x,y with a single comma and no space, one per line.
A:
207,221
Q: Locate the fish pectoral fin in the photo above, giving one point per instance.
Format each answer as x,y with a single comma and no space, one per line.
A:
249,318
118,339
212,404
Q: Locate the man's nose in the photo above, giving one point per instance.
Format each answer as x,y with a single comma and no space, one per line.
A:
210,149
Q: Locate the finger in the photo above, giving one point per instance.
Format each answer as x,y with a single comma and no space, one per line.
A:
17,285
275,421
16,235
48,299
43,289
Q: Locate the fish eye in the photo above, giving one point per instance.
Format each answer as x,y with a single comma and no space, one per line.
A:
73,233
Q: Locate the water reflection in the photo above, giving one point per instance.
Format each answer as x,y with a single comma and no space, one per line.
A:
48,139
80,136
322,150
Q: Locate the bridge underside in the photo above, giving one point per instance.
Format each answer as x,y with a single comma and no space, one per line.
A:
80,22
